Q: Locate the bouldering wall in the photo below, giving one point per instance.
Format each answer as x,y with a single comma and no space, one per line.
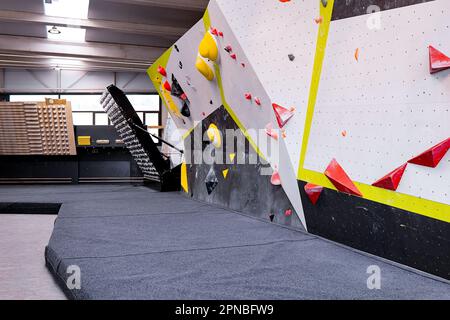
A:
352,99
377,105
211,66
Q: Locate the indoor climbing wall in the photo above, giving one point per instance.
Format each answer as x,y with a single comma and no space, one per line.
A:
378,110
352,98
212,69
375,166
279,41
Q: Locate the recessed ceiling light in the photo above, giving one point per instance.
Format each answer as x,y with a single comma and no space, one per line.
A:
66,34
54,30
67,8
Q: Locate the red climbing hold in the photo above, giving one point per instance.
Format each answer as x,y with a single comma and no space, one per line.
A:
392,179
275,179
288,213
183,97
214,31
271,132
438,61
313,191
340,179
257,101
283,115
248,96
432,156
221,34
162,71
233,56
167,86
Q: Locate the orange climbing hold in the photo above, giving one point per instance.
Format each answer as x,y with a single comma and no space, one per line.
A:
283,115
392,179
313,192
438,61
432,156
318,20
340,179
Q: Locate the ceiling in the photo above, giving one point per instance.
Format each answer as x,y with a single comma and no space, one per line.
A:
120,34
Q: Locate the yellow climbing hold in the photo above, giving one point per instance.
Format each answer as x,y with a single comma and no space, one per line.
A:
204,68
214,136
184,180
232,156
208,47
225,173
170,103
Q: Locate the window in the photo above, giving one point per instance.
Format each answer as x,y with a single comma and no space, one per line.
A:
144,102
87,110
31,97
101,119
82,118
84,102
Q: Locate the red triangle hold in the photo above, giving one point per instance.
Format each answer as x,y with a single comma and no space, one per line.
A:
438,61
313,191
162,71
340,179
392,179
283,115
432,156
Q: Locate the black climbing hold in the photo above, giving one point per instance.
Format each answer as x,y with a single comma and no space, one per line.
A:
325,3
272,217
176,48
211,181
211,102
176,91
291,57
185,111
180,64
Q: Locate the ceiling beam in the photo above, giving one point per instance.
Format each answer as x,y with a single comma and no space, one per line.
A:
2,78
191,5
118,26
33,51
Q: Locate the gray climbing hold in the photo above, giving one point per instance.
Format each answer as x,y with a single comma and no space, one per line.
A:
325,3
211,181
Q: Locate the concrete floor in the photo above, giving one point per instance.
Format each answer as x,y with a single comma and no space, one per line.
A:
23,275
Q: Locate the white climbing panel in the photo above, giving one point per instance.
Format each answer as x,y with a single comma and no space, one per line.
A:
387,103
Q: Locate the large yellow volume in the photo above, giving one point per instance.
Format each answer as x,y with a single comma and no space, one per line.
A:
184,179
208,47
204,69
214,136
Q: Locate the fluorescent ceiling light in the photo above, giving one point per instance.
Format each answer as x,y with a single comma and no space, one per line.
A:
67,8
66,34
